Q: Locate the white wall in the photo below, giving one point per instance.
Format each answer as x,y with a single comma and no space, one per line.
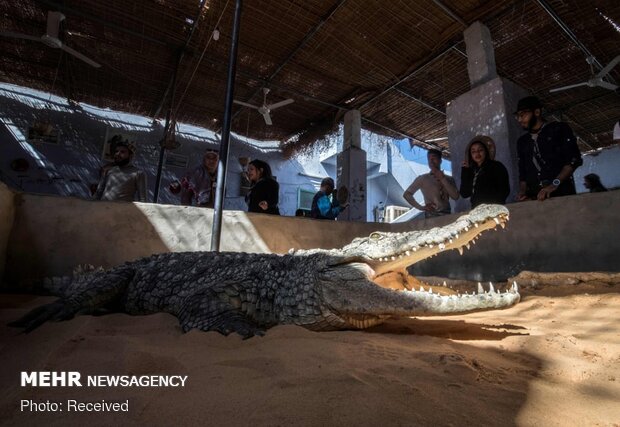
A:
605,163
69,167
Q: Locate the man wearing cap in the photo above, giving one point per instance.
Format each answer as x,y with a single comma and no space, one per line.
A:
547,154
437,188
122,181
198,185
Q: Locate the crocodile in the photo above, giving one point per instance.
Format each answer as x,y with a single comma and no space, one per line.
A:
319,289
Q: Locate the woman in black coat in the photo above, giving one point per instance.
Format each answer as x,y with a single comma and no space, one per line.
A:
264,194
482,179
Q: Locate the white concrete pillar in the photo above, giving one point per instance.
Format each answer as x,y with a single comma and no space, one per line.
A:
351,169
480,54
352,129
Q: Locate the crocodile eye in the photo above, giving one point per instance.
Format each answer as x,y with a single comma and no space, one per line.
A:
375,236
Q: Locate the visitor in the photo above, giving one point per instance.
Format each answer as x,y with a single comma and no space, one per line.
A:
482,179
325,204
263,196
198,185
122,180
437,188
547,154
593,183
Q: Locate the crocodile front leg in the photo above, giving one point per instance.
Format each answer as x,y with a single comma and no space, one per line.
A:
207,312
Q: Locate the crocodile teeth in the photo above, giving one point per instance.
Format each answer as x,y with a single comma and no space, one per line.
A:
466,228
393,258
430,290
460,250
450,241
444,283
467,245
476,224
514,288
407,253
491,289
480,288
503,224
496,221
421,289
430,246
442,246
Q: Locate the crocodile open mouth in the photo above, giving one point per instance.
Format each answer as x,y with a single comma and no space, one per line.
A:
386,252
367,280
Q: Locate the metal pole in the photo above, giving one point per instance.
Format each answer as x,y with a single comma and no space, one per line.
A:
162,149
216,229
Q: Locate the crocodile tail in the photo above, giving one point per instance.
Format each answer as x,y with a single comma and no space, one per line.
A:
57,310
57,286
89,293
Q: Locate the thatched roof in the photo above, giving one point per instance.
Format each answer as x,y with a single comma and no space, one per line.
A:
397,61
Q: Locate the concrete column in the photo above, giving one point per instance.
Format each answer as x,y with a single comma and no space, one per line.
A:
487,109
480,54
352,130
351,168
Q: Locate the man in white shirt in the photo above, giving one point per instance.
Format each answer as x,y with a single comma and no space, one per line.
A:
437,188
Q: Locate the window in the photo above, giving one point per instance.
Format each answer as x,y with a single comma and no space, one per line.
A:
304,199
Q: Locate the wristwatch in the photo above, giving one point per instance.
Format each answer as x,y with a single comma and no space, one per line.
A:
556,182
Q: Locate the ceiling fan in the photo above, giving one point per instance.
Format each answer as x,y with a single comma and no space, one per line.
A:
50,38
596,80
265,109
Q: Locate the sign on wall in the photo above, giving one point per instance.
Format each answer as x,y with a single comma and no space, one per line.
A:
42,132
176,160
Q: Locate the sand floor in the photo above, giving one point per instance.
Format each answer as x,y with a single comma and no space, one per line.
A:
553,360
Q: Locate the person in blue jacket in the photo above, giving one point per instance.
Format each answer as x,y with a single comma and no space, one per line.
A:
325,204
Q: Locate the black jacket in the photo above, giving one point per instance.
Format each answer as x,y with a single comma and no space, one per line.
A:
267,190
491,186
558,147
